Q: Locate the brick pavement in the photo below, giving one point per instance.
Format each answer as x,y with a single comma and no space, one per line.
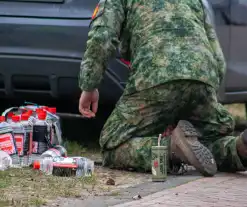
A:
224,190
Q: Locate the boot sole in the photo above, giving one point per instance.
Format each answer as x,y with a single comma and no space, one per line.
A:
197,154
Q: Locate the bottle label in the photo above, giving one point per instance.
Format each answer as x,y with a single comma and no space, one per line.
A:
65,165
19,139
7,143
61,162
59,159
35,147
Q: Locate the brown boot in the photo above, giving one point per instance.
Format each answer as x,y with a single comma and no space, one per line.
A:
242,145
186,147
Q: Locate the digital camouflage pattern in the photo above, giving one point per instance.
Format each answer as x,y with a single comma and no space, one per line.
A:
164,40
176,68
134,125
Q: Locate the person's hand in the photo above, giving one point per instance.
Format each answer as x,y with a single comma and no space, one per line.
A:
88,103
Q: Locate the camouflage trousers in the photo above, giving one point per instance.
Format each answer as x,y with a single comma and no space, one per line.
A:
139,118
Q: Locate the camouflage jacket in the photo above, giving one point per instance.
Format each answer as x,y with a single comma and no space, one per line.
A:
164,40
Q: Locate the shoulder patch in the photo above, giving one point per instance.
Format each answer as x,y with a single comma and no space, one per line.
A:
96,10
99,9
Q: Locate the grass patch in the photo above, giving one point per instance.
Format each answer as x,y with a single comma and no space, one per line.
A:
5,179
239,113
237,110
75,149
26,187
115,193
37,202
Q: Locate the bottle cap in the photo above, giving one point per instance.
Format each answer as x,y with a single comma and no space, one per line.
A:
52,110
39,110
36,165
15,118
10,114
2,118
24,117
45,108
42,115
29,112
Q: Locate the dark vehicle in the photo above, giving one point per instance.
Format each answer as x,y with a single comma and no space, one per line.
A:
231,25
42,43
41,47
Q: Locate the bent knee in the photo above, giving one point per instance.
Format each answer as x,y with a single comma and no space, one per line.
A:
126,156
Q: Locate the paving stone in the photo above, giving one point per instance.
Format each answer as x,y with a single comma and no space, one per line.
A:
223,190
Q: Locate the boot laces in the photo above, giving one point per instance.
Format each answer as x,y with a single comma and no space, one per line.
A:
179,169
177,166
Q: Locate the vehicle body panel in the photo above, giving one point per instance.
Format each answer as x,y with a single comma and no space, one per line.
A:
42,43
41,48
231,26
